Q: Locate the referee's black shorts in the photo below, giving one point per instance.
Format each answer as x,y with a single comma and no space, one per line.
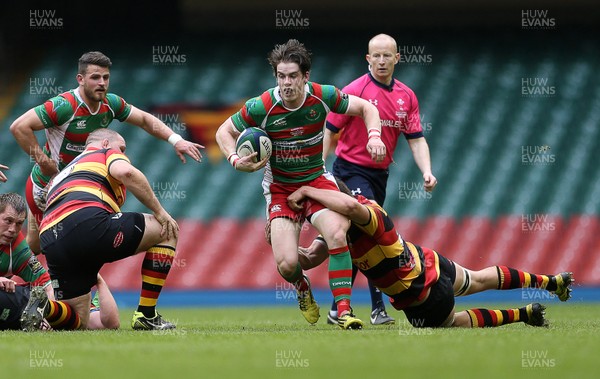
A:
366,181
78,246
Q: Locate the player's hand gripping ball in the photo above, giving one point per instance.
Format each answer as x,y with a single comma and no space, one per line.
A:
254,140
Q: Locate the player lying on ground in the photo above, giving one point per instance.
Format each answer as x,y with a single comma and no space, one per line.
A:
418,280
17,259
104,313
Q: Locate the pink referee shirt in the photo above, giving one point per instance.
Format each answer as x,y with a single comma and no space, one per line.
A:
399,113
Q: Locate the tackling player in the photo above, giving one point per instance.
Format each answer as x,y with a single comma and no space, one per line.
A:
418,280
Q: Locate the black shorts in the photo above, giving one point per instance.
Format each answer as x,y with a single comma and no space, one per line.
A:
436,309
11,307
368,182
77,247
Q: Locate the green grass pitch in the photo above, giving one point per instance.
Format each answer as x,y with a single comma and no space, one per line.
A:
268,342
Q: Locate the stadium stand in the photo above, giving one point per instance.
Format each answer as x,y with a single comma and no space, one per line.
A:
519,182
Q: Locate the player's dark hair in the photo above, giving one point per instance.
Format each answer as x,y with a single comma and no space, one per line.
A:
290,52
343,187
95,58
14,200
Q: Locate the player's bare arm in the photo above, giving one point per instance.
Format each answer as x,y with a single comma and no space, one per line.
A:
369,113
420,151
158,129
23,129
329,143
226,137
333,200
135,181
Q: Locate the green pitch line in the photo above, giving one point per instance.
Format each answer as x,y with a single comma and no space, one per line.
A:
276,342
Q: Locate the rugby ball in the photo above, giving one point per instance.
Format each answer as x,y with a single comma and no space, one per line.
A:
254,140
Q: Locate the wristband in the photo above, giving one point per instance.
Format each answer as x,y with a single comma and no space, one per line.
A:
174,138
374,132
233,158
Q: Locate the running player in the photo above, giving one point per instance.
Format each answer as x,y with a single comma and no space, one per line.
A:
399,112
83,228
68,119
418,280
293,115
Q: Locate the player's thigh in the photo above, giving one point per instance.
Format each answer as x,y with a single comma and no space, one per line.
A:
284,239
152,234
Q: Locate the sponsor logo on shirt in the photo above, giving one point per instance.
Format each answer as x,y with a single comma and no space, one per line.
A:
77,148
35,266
280,122
81,124
297,131
118,240
276,208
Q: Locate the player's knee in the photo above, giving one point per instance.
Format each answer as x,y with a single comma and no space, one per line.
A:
287,268
337,238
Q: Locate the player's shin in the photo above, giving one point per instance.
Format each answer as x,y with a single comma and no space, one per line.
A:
340,278
155,268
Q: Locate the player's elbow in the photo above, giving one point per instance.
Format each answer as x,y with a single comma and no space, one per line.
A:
16,128
112,323
351,208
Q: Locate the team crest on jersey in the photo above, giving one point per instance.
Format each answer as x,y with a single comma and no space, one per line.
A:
312,115
344,95
400,103
105,121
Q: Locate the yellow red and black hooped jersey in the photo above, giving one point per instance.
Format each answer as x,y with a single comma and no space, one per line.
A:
400,269
85,182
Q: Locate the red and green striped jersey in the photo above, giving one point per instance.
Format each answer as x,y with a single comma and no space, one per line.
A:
296,134
17,259
85,182
400,269
69,121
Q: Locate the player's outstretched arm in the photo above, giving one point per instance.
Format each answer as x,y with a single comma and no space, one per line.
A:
333,200
158,129
23,129
135,181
